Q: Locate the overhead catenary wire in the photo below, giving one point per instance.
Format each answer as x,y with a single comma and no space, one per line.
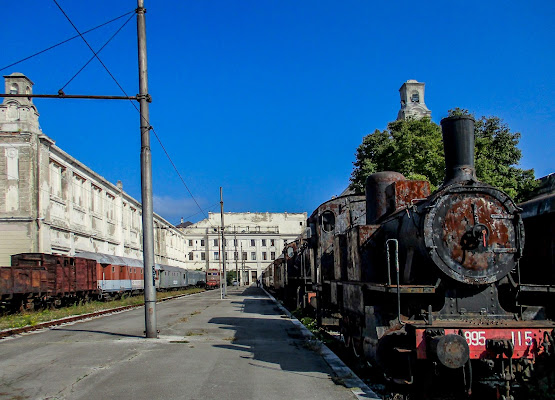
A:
89,46
135,106
65,41
93,57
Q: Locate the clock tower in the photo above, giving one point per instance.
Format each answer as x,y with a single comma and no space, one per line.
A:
412,101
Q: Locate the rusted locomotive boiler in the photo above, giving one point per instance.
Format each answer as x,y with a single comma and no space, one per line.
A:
429,282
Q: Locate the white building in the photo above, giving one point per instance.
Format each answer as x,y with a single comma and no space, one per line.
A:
52,203
252,241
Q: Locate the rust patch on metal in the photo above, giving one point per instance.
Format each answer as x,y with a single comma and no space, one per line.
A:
404,193
473,234
365,232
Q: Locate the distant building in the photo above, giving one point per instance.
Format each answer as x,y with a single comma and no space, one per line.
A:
412,101
252,241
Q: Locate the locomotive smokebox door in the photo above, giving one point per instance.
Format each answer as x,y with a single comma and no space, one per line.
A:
473,234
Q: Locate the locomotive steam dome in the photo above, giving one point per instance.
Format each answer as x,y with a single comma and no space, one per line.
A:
472,231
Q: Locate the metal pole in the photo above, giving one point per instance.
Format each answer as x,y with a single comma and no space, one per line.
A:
239,279
220,268
223,240
146,180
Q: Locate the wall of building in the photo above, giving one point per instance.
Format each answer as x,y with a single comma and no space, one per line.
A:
252,241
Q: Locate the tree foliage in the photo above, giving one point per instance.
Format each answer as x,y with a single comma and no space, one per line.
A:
414,148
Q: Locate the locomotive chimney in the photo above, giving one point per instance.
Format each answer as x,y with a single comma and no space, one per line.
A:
458,143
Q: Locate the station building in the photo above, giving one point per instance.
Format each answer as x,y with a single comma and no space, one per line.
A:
52,203
251,241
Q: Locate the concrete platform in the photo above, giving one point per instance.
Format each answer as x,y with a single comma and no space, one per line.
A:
242,347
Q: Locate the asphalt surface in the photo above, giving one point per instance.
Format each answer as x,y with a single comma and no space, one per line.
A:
242,347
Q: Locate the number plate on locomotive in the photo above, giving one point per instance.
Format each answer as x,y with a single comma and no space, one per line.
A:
526,342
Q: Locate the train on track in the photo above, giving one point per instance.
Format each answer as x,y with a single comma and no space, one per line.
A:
427,284
213,279
37,280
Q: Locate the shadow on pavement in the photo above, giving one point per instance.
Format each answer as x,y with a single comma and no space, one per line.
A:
93,331
266,335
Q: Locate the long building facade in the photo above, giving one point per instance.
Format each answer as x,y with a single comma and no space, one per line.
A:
52,203
250,242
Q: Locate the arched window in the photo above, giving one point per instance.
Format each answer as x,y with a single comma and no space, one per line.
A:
27,90
328,221
14,88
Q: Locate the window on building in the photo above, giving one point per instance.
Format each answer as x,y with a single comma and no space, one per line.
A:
244,255
57,177
301,223
113,269
235,242
14,88
253,243
110,200
263,242
264,256
96,196
272,242
78,191
273,255
253,256
190,243
215,242
216,256
190,255
203,256
202,242
415,98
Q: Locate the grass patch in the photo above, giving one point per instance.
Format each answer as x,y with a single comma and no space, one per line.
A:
36,317
193,333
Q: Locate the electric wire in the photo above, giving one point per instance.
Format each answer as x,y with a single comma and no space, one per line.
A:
92,58
136,108
65,41
89,46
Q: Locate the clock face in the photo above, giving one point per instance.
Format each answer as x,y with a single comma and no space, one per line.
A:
290,251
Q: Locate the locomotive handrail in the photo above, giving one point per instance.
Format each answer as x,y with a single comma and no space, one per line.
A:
396,242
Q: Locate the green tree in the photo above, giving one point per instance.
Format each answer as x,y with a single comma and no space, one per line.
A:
230,277
412,147
497,156
415,149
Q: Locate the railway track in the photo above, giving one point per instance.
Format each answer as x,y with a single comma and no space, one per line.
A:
29,328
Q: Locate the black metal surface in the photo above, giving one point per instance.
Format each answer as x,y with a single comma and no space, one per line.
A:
458,143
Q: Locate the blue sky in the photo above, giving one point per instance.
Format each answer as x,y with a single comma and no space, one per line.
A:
270,99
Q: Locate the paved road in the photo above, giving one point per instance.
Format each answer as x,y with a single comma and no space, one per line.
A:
238,348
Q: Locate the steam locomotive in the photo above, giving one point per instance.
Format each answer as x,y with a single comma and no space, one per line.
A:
424,284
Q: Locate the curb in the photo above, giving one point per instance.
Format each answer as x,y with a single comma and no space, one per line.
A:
342,371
